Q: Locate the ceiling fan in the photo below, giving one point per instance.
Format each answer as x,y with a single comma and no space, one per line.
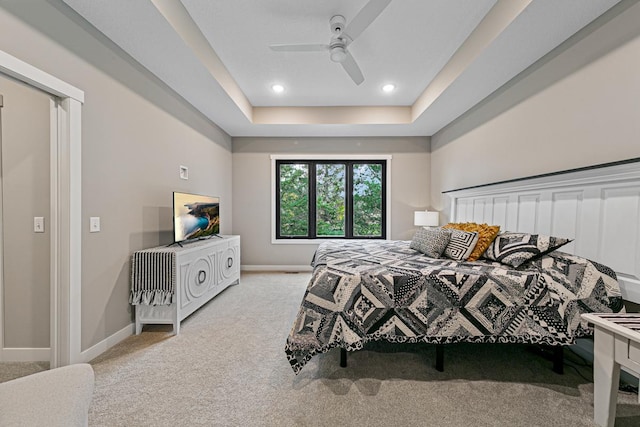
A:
342,37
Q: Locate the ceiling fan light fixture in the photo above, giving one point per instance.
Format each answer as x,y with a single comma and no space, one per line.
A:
277,88
388,88
338,54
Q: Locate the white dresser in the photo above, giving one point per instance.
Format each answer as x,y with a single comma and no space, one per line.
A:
170,283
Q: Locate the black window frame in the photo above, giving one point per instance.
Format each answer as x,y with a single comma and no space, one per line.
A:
312,227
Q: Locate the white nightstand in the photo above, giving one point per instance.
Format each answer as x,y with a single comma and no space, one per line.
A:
616,344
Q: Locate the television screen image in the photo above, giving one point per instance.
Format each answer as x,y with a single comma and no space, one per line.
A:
195,216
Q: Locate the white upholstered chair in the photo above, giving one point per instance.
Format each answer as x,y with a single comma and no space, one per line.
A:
58,397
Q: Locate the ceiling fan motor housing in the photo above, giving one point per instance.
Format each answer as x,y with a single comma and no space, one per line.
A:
337,23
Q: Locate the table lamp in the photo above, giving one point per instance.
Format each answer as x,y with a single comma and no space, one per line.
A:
426,218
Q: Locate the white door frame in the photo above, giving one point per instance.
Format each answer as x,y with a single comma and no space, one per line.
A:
1,244
66,218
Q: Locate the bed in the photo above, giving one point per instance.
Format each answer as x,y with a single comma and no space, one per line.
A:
364,291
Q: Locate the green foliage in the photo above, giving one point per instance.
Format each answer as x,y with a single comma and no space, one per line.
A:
367,200
294,199
330,199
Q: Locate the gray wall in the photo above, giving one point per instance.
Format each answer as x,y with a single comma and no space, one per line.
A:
252,202
25,194
135,134
580,106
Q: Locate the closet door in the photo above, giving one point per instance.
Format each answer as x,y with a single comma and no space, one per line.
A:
25,189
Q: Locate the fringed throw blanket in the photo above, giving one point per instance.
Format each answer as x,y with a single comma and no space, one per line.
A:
383,290
153,276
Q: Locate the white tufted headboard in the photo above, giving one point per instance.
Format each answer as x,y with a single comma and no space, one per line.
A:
597,206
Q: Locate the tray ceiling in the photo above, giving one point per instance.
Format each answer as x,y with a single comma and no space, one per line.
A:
443,57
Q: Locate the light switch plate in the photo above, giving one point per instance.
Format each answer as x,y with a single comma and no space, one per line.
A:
94,224
38,224
184,172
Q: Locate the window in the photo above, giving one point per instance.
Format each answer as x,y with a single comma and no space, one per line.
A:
317,199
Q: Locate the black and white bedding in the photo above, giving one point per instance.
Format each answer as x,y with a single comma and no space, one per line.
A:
363,291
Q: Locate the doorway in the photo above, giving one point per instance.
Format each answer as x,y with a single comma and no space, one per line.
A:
25,132
66,220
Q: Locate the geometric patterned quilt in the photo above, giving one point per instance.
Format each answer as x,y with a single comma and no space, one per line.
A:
363,291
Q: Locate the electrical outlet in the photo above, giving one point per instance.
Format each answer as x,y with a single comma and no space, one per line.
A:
38,224
94,224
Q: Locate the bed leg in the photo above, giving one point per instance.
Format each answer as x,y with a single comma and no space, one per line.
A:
440,357
343,358
558,359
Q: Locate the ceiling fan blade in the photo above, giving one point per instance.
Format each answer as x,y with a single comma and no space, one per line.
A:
299,47
365,17
351,67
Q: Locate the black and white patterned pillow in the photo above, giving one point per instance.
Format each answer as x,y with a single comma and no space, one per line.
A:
431,241
461,244
515,249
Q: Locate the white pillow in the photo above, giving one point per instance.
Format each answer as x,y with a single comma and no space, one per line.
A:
461,244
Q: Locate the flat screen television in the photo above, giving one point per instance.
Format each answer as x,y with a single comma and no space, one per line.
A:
195,216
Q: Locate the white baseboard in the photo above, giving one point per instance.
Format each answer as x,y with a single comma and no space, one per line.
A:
43,354
629,288
26,354
285,268
584,348
104,345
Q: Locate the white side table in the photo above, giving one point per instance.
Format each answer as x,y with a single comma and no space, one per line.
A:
616,343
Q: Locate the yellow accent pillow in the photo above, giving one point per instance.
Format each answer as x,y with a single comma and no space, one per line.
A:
486,235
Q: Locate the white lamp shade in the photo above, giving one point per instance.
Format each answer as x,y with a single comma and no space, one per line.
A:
426,218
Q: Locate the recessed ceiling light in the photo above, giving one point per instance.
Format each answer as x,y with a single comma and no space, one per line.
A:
277,88
388,88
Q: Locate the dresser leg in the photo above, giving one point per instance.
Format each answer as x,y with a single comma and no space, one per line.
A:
176,319
138,322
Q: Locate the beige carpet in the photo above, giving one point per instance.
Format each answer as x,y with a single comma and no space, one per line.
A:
228,368
13,370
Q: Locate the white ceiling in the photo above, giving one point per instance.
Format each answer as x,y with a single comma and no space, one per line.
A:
444,56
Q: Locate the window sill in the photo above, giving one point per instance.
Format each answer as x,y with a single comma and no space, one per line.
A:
296,241
313,241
